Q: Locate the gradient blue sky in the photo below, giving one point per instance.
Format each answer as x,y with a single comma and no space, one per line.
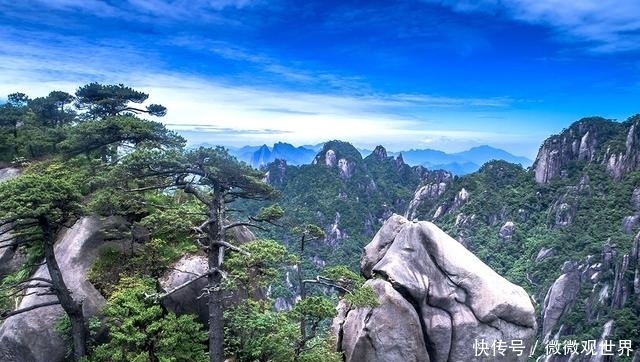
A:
407,74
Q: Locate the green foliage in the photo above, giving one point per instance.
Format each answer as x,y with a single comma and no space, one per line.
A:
148,260
139,330
172,218
63,327
109,100
310,231
343,274
255,332
270,213
362,297
627,324
102,137
258,269
33,202
314,308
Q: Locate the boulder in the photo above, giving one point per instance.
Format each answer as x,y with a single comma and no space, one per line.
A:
545,253
391,332
185,300
421,273
31,336
8,173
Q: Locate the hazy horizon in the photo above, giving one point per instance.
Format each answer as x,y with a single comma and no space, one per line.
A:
366,147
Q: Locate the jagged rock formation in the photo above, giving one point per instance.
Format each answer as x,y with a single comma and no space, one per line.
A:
276,174
605,295
261,156
30,336
438,296
341,155
433,186
614,145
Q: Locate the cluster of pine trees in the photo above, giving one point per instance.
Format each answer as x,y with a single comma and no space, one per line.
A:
92,154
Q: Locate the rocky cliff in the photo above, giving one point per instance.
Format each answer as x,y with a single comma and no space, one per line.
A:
437,302
615,145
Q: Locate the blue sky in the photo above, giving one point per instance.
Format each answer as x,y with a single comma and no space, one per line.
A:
407,74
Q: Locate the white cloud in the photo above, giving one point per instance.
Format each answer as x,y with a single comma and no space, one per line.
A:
38,62
607,25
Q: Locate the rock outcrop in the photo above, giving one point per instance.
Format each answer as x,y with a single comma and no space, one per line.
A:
594,274
433,186
30,336
560,298
442,300
8,173
589,140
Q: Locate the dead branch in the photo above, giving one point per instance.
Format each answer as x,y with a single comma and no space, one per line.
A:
7,314
327,282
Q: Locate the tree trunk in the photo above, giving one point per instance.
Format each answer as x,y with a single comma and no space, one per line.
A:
303,295
215,259
72,308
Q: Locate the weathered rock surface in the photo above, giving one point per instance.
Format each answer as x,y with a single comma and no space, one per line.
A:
425,278
507,230
584,141
30,336
390,332
560,298
426,192
185,300
8,173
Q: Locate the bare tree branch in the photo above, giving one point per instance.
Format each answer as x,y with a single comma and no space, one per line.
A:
327,282
188,188
146,188
181,286
7,314
230,246
237,224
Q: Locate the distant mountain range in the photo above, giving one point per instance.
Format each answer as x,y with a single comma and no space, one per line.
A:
460,163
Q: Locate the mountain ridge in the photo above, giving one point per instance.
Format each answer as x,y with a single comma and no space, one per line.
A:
459,163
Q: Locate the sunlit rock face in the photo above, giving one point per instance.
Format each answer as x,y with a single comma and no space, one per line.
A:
590,140
31,336
437,302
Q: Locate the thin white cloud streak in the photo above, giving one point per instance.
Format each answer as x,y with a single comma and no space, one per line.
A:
606,25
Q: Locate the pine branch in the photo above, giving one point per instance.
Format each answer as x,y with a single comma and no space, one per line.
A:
327,282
